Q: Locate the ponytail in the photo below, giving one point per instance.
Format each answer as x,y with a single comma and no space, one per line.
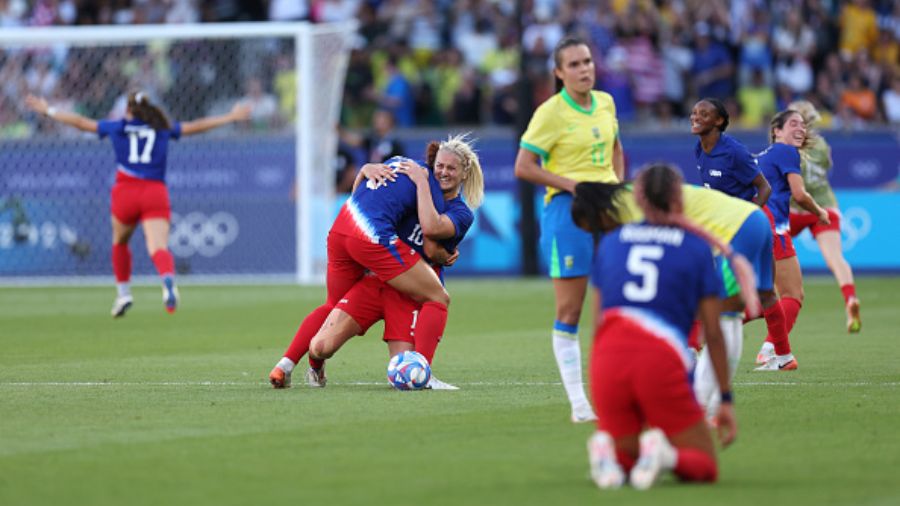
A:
657,191
141,108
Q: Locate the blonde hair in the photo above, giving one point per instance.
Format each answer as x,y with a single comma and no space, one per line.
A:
473,179
811,118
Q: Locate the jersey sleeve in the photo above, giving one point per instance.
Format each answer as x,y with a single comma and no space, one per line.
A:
789,160
542,133
175,131
745,165
462,218
106,127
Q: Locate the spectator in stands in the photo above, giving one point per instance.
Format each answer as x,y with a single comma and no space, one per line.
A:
381,142
397,96
713,66
890,100
859,28
756,100
858,102
263,106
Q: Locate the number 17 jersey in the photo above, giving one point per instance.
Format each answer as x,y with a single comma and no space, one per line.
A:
140,150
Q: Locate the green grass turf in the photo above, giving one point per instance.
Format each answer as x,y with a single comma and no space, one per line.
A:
156,409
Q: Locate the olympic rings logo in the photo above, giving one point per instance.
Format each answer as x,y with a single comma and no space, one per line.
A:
195,233
856,223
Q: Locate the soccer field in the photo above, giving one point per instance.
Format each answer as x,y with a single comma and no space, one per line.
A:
155,409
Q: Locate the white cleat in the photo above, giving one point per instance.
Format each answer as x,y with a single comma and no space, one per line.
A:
121,305
657,455
316,377
583,413
170,296
765,355
605,469
436,384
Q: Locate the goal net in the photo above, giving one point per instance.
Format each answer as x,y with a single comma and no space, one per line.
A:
252,200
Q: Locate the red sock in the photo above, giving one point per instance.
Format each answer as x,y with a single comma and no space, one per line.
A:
747,318
694,336
429,328
121,262
626,461
849,290
164,262
308,329
791,310
695,465
778,334
316,363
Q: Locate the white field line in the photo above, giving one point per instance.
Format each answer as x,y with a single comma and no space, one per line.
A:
377,383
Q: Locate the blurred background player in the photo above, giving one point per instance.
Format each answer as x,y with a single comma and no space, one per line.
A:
724,163
574,136
365,237
651,279
816,164
139,195
780,164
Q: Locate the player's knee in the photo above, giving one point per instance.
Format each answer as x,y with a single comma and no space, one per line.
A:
320,349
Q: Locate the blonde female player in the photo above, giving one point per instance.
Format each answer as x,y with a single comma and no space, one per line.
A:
572,137
139,195
816,163
652,278
780,164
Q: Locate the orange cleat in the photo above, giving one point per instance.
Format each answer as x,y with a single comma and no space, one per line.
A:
854,323
279,379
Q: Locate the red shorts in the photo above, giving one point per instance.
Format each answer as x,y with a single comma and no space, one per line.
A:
801,221
782,245
134,200
637,379
371,300
349,257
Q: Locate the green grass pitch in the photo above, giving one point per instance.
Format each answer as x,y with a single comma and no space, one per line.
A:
155,409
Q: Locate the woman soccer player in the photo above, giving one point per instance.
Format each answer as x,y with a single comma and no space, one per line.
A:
458,171
575,136
652,278
816,163
724,163
139,195
780,164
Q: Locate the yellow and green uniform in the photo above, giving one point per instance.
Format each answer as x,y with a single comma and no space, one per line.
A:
575,143
815,165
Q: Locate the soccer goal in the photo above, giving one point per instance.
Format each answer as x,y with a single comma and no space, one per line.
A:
250,201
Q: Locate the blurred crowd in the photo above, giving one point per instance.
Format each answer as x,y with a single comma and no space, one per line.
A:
436,62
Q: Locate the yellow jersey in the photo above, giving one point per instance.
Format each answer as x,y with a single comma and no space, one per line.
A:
720,214
574,142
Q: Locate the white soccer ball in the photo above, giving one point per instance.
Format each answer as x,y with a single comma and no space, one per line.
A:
408,370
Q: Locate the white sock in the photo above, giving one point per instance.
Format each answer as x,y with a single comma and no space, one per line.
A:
706,389
733,332
123,289
285,365
568,359
767,347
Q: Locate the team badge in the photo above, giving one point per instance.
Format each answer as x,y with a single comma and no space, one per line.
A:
596,132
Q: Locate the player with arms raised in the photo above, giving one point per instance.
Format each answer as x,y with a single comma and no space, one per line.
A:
139,195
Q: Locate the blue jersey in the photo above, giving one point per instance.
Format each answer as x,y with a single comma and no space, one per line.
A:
410,231
659,275
729,168
776,162
378,210
140,150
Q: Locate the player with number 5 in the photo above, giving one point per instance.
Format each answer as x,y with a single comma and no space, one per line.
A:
139,195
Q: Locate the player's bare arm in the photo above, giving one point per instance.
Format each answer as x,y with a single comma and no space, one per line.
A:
804,199
40,106
527,168
763,190
378,172
434,225
239,112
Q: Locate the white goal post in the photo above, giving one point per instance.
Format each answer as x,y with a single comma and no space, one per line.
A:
320,54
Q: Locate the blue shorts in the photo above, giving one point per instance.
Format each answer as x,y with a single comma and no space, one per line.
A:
754,241
568,249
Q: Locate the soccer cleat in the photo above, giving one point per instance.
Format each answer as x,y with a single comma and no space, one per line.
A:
765,355
121,305
854,323
583,413
605,469
657,455
436,384
170,295
773,365
279,378
316,377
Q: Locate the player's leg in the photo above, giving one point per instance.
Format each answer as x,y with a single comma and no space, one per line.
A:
789,283
830,245
570,293
121,265
338,328
421,284
156,233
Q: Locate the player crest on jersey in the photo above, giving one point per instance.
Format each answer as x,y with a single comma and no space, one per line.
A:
596,132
